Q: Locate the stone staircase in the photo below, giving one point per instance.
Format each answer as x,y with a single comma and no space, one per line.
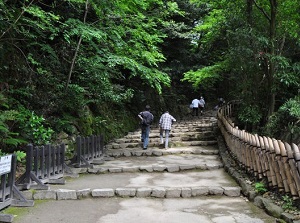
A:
197,132
185,183
190,167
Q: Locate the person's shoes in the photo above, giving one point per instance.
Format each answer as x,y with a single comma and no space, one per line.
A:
144,148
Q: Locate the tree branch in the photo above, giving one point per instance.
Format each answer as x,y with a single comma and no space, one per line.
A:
262,10
77,47
24,57
9,28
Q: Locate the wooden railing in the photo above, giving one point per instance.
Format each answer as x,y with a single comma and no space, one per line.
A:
9,193
44,164
89,150
264,157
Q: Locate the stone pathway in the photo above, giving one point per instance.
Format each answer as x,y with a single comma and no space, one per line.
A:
186,183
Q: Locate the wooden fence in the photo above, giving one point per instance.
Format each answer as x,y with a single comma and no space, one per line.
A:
9,193
44,164
8,172
264,157
90,150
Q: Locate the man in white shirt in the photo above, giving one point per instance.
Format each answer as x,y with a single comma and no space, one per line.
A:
195,104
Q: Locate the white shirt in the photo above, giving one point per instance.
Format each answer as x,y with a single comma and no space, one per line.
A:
195,103
166,120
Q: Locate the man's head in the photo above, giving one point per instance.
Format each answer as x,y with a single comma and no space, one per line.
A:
147,108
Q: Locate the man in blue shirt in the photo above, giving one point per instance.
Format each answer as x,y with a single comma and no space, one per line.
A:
165,124
146,120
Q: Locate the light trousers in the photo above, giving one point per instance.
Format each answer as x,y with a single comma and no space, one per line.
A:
167,133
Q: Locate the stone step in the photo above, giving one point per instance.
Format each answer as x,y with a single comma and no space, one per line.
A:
155,160
186,184
151,168
156,143
175,130
174,136
204,150
126,192
184,133
197,121
169,163
155,133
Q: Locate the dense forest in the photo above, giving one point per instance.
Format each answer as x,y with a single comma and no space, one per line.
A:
83,67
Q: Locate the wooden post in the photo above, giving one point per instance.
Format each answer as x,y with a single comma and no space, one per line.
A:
295,175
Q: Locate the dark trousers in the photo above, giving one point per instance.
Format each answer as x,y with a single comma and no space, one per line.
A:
201,110
195,111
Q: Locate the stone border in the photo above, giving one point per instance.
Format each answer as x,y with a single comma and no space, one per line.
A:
155,192
171,168
116,153
249,191
114,145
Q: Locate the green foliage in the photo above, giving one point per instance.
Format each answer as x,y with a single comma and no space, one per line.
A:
8,138
288,203
20,155
292,107
249,114
2,153
288,73
119,56
33,127
114,123
206,76
289,17
259,63
211,26
260,187
128,52
74,97
85,122
273,127
285,121
64,124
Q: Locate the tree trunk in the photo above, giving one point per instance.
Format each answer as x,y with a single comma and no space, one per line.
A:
249,11
273,11
77,47
270,65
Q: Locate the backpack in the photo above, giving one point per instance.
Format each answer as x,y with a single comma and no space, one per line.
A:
147,119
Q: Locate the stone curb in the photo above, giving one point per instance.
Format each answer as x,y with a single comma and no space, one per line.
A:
156,144
171,168
156,192
176,135
249,191
159,152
